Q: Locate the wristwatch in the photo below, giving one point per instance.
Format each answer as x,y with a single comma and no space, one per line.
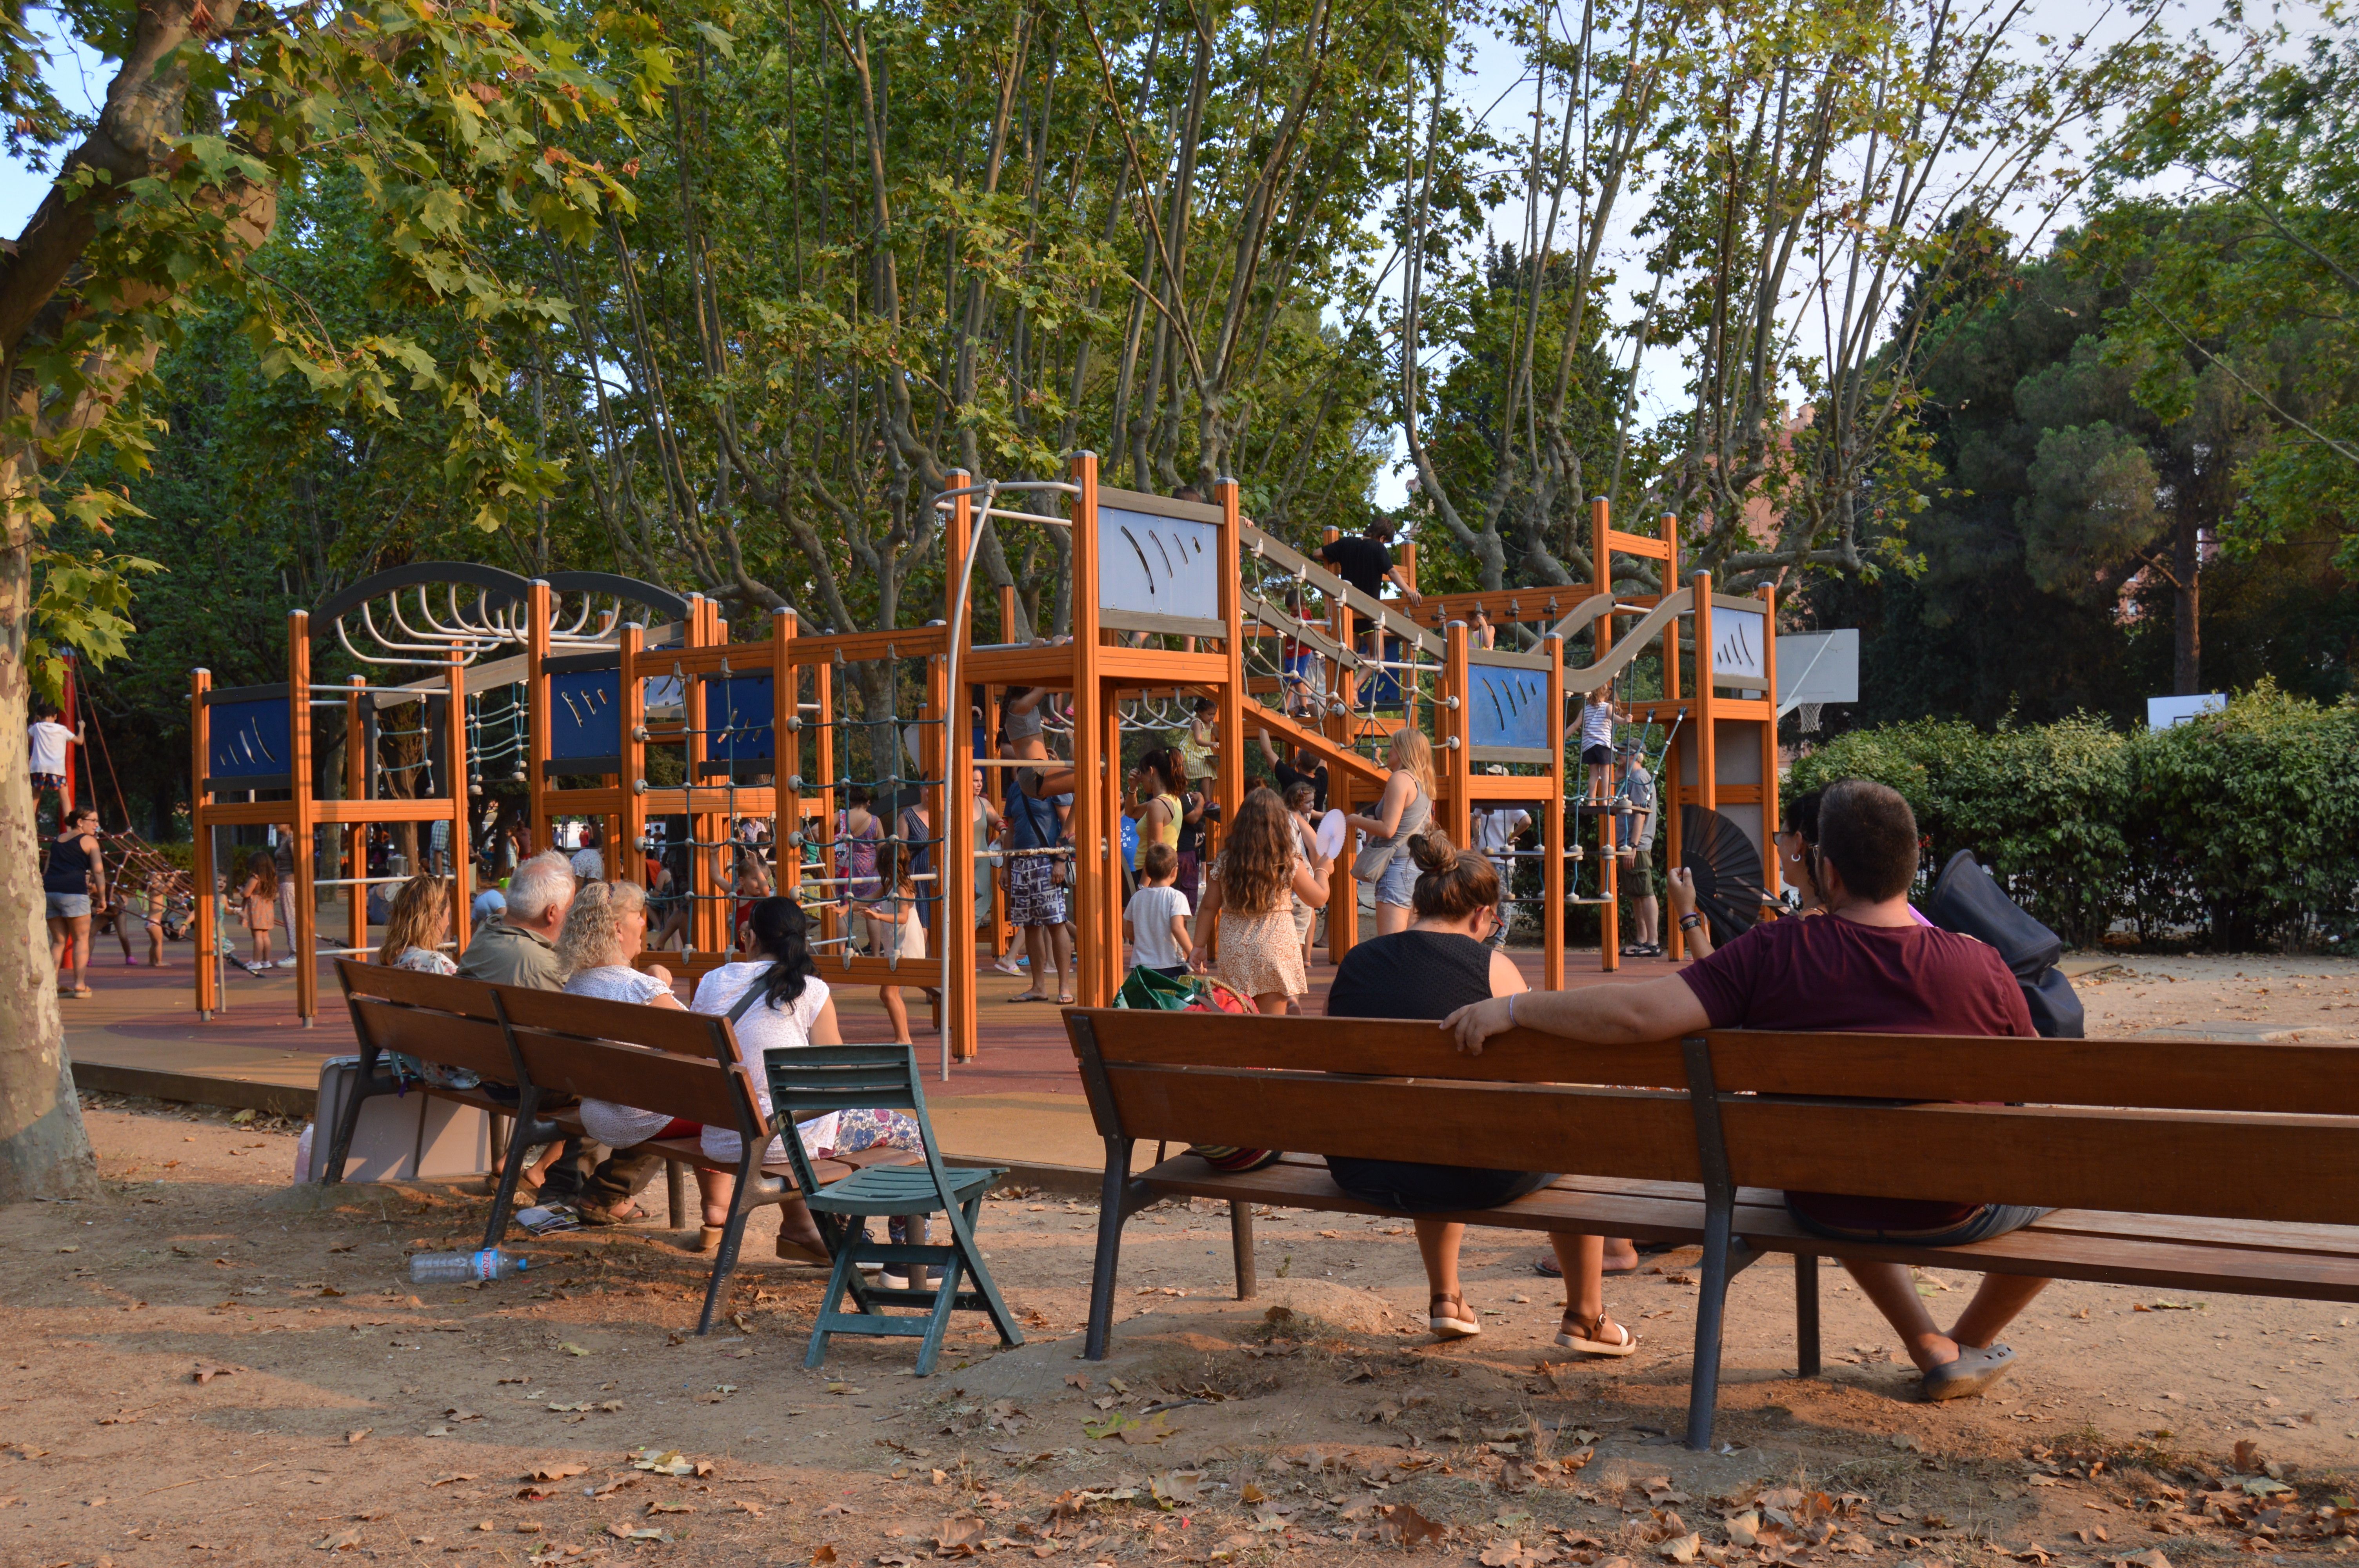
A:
1690,922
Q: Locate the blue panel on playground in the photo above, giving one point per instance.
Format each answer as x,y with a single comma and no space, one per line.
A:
249,739
1510,707
741,712
585,709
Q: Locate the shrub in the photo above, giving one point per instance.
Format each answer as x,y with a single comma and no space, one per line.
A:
2239,825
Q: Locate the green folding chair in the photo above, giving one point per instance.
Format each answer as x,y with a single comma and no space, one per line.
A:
817,1079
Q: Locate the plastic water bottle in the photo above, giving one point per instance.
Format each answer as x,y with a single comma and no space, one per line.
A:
464,1267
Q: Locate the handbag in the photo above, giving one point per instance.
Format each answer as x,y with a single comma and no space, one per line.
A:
1155,992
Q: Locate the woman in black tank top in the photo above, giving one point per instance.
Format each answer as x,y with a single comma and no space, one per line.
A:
74,875
1437,965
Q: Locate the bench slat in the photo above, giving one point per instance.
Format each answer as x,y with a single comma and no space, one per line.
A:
2070,1244
477,1045
1520,1127
2164,1075
2230,1166
631,1075
589,1017
1390,1048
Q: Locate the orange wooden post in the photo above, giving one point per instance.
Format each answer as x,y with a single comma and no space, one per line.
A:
1231,694
954,861
1095,835
455,769
823,687
305,936
355,835
1671,531
1552,837
1456,730
626,856
535,651
787,747
1707,737
200,798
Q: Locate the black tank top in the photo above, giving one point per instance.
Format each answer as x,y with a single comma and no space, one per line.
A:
1410,974
69,868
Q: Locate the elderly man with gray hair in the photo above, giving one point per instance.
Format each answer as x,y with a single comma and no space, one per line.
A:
521,950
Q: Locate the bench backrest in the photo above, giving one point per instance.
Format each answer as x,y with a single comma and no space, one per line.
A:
1382,1089
681,1064
435,1018
2225,1129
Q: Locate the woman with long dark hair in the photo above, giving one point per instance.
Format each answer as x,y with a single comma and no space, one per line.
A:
1247,912
775,1000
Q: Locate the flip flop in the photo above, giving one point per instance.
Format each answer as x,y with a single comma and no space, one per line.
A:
1027,996
1972,1372
1064,1001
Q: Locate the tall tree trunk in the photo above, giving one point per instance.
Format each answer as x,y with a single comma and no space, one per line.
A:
44,1152
2186,638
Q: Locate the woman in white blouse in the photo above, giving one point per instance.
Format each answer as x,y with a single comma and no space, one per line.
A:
775,1000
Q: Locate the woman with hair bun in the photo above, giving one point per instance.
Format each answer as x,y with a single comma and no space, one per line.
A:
1429,970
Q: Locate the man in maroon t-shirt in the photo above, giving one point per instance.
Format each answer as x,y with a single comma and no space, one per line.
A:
1865,966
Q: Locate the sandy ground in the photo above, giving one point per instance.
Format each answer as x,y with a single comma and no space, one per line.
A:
212,1365
2271,998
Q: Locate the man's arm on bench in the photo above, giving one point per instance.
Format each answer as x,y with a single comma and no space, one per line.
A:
1604,1015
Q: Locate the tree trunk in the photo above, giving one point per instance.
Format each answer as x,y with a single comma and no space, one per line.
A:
44,1152
2186,638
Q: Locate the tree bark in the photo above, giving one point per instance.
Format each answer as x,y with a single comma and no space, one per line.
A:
44,1152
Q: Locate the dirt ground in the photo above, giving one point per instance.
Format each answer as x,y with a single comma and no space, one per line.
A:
212,1365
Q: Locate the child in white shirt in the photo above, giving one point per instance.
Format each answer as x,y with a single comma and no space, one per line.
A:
1156,920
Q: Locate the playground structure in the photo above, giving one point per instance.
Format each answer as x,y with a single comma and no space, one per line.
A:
623,703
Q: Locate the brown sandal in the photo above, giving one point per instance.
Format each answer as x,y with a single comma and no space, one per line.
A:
1588,1335
1452,1318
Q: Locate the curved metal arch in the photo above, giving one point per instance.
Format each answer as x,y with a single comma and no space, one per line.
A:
630,588
491,579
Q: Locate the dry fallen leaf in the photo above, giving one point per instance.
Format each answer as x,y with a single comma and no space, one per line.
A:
206,1374
1399,1522
344,1542
743,1507
556,1472
1683,1549
446,1480
622,1529
822,1554
356,1434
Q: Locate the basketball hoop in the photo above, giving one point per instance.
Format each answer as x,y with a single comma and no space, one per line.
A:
1810,712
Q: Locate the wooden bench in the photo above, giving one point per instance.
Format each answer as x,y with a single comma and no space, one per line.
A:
2227,1166
555,1050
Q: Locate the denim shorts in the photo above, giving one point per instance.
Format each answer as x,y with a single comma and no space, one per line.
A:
1990,1220
1405,1187
1398,886
68,906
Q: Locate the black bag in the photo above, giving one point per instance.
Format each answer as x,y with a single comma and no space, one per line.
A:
1967,900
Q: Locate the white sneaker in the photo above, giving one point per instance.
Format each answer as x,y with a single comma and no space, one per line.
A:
287,963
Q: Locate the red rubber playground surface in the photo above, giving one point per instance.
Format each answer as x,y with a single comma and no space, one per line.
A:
149,1018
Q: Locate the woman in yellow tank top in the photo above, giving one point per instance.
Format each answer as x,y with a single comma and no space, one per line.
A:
1159,808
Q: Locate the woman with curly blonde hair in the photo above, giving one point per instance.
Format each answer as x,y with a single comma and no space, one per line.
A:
604,927
1247,913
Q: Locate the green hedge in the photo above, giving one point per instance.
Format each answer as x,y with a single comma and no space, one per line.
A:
2242,827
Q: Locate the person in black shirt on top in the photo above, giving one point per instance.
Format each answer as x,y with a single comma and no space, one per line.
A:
1439,964
1366,563
1306,768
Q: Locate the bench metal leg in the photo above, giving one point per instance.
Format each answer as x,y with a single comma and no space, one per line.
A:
676,1193
1805,1314
1109,1255
496,1224
1703,1384
723,1264
1241,1245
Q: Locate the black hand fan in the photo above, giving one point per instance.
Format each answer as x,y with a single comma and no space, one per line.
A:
1727,870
